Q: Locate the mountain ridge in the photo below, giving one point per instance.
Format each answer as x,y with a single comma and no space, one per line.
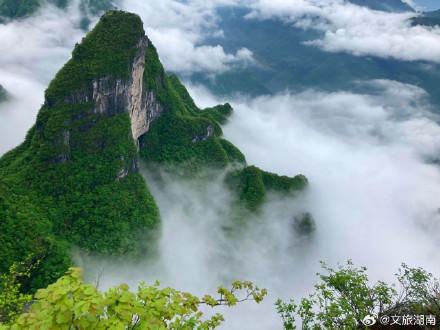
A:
398,6
285,61
76,180
13,9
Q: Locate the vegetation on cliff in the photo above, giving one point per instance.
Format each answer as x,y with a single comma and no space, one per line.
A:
191,138
74,182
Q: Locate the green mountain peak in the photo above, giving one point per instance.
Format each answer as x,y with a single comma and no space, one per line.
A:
75,180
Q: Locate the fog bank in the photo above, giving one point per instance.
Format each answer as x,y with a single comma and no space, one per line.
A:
373,194
32,51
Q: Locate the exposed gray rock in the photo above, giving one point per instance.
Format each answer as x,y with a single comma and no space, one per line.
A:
122,173
206,136
112,96
131,167
109,95
143,106
65,156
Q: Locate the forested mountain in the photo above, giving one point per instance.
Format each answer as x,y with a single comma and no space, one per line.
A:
75,181
180,163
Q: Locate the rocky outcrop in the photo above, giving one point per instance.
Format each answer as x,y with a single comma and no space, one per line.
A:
112,96
143,106
209,132
64,157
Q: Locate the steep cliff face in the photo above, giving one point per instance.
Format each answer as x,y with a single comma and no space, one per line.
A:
79,164
74,182
112,96
187,140
143,106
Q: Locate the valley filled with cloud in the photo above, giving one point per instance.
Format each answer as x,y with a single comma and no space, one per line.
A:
371,153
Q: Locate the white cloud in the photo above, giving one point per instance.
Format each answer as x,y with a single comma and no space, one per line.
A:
178,30
366,155
372,193
32,51
356,30
346,27
180,54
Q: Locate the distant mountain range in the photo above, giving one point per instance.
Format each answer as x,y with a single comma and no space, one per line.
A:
13,9
10,9
428,19
384,5
284,61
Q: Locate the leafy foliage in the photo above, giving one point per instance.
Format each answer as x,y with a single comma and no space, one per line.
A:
72,304
344,297
12,300
24,228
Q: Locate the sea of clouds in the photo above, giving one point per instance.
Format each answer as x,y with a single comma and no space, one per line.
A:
371,157
374,181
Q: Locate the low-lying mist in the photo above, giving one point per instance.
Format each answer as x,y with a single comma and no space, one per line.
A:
201,248
32,51
374,187
372,160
